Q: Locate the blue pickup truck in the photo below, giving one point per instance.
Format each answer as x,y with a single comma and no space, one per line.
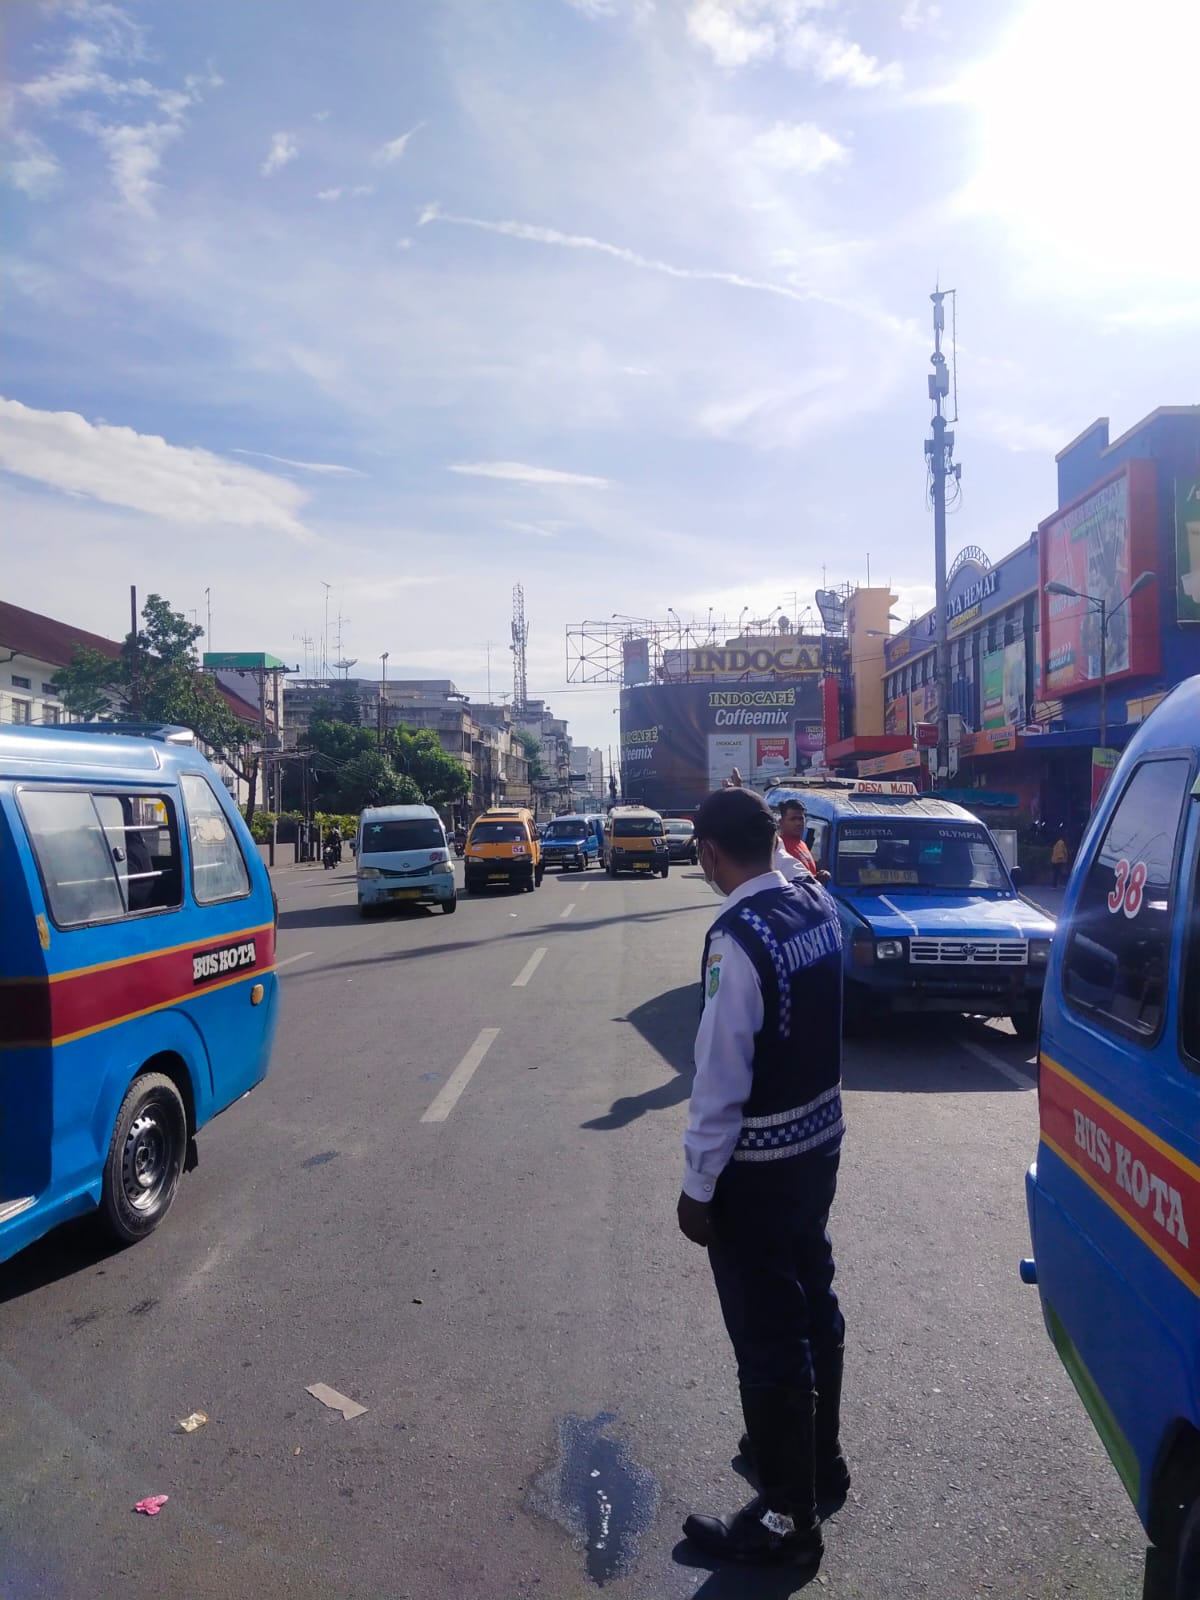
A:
931,919
572,843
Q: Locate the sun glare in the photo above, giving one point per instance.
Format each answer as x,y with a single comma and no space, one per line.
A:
1086,121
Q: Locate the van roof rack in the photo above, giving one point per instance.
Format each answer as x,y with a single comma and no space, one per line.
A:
163,732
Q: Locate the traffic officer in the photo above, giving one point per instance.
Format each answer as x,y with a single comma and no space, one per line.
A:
760,1169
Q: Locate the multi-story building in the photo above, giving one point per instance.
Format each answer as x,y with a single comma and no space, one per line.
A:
33,648
1062,647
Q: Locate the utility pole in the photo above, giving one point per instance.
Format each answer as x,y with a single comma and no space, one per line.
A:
520,641
135,694
938,451
383,717
208,629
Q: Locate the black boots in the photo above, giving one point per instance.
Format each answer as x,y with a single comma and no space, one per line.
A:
832,1475
780,1526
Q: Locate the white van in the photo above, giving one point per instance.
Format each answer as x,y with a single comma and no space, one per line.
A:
403,858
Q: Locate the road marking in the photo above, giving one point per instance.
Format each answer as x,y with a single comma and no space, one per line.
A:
1024,1080
287,961
566,910
447,1096
584,886
530,967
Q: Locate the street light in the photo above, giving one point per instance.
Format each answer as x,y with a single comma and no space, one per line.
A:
1106,616
383,661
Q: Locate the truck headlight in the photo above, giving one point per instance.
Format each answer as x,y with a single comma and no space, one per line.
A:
369,872
889,949
1039,952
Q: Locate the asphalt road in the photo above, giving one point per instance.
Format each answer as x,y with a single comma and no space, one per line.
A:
488,1261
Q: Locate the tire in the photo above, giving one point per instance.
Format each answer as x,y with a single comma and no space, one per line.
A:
1026,1023
538,876
1173,1570
666,869
365,911
450,906
611,868
145,1158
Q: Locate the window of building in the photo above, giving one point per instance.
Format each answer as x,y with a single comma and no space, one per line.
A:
1117,960
21,683
48,688
51,716
102,856
22,711
219,870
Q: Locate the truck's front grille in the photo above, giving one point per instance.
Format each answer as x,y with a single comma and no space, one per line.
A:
969,952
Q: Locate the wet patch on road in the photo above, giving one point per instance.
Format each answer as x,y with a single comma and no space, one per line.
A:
598,1493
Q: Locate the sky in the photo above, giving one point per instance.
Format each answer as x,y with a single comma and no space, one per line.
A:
623,300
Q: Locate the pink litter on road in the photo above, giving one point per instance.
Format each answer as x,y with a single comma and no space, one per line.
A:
152,1504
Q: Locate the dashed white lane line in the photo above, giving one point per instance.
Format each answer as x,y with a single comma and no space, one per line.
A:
566,911
448,1095
1023,1080
584,886
287,960
530,967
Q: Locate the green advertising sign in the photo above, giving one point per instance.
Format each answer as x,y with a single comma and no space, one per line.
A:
1187,548
992,697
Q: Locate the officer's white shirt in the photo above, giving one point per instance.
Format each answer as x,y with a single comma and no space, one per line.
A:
732,1015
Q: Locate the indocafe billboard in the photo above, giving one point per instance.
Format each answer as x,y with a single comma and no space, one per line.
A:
681,740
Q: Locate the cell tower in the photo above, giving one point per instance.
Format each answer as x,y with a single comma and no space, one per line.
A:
520,638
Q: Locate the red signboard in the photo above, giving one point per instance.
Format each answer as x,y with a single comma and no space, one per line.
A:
927,735
1153,1189
1098,546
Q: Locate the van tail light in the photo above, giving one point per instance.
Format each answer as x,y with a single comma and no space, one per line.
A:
864,948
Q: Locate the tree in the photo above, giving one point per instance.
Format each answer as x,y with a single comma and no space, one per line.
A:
532,746
370,779
157,678
418,752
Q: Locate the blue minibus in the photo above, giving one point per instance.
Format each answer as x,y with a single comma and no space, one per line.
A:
138,995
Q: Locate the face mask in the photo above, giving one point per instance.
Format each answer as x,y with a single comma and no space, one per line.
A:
712,883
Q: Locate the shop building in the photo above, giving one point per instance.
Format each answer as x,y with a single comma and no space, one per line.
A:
1047,686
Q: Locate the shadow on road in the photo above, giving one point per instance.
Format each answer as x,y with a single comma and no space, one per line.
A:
740,1583
668,1025
77,1247
933,1055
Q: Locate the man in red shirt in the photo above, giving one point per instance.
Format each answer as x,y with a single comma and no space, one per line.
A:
792,823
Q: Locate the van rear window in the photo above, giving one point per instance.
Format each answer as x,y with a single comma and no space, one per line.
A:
637,828
411,833
498,833
103,856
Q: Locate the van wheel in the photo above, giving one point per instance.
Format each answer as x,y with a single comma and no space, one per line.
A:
1026,1023
1173,1570
450,905
666,869
538,876
145,1158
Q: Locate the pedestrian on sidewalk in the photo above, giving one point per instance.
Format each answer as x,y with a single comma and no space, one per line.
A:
760,1170
1060,857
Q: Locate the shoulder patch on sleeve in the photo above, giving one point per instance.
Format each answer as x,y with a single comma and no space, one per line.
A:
713,976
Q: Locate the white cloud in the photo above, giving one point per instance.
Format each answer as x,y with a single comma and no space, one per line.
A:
354,192
728,31
283,149
798,147
394,149
736,280
320,116
304,466
31,167
919,14
134,155
1022,434
518,472
833,59
540,530
121,467
741,33
594,8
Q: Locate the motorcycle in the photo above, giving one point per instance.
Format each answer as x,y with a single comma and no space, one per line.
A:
460,848
330,856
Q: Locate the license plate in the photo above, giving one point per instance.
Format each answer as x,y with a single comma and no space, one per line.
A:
405,894
497,877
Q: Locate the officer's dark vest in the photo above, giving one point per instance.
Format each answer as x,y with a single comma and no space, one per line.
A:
793,937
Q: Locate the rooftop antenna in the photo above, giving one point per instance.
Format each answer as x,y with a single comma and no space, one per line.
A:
325,638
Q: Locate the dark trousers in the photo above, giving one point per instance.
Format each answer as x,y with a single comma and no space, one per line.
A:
772,1261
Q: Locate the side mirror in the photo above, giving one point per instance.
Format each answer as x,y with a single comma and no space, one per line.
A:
1017,876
